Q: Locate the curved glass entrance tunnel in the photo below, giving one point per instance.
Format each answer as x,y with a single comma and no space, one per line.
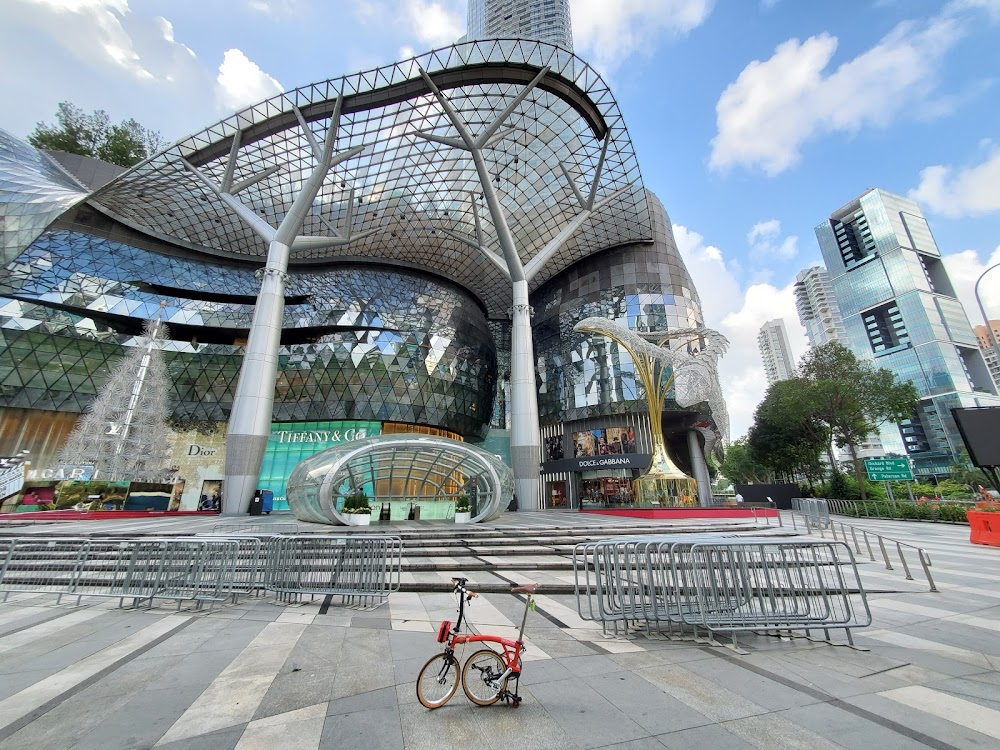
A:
404,476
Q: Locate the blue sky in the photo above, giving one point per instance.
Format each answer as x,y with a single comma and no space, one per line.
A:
753,120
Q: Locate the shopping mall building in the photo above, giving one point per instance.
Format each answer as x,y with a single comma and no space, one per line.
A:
404,250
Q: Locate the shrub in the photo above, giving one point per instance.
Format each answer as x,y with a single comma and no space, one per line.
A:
462,504
356,502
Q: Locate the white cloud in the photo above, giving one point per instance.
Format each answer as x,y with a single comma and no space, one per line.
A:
713,276
434,23
774,107
241,81
765,242
738,314
607,32
964,269
429,23
278,9
742,371
93,31
970,191
100,54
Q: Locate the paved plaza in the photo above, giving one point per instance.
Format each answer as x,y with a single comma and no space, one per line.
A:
321,675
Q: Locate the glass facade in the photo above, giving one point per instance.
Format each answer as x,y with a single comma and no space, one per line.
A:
362,342
899,310
646,287
292,442
34,190
389,316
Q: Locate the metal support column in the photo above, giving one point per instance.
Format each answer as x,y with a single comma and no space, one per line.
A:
700,469
253,404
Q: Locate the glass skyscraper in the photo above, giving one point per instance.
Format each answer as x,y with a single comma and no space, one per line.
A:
899,310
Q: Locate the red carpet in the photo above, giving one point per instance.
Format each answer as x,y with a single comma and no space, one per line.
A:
686,512
98,515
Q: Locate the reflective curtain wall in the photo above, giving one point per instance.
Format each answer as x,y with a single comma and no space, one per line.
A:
361,342
646,287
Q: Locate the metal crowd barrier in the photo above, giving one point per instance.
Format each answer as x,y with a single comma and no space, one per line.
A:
722,585
259,529
360,568
138,569
866,536
201,569
815,510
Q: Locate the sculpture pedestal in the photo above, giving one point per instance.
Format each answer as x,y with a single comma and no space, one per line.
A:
654,491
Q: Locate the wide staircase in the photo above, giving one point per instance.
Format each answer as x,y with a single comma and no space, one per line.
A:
495,557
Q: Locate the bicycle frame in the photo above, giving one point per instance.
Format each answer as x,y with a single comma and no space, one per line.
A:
512,649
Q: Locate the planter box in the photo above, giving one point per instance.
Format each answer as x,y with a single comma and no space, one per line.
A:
463,517
984,528
358,519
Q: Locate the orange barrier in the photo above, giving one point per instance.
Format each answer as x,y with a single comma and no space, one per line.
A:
984,527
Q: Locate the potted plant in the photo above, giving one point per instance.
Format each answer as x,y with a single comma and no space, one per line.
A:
463,510
356,509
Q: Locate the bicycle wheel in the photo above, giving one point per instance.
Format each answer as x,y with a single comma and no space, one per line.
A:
480,677
438,680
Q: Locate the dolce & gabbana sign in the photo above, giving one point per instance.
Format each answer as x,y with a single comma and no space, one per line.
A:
589,463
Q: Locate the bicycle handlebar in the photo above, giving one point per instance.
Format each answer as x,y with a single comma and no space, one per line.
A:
460,587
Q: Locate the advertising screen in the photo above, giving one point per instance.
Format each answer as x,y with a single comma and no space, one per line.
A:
980,429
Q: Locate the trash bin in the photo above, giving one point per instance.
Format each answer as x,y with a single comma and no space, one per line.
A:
256,503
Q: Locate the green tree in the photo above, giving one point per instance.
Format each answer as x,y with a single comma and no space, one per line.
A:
739,467
786,436
963,472
853,397
76,132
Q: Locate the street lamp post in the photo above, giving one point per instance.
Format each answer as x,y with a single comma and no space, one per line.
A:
982,311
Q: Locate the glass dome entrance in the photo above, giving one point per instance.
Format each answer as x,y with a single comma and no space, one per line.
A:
398,472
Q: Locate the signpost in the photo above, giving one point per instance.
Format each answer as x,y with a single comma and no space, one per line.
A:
888,469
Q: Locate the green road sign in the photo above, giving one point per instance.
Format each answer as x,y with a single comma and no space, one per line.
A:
888,469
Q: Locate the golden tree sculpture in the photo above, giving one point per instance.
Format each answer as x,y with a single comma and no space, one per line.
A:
682,359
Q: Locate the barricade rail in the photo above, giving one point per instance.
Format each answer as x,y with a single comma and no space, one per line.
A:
815,509
359,568
720,584
203,569
866,537
258,529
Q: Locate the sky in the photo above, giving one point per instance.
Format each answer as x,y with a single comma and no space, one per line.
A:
753,120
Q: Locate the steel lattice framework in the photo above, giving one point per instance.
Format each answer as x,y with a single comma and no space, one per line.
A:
404,199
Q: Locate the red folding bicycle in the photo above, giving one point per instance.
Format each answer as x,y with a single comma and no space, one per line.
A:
487,674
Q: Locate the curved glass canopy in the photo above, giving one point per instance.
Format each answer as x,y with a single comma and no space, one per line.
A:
404,199
408,468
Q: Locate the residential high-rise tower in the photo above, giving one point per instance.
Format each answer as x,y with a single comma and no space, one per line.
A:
817,307
545,20
775,351
899,309
988,349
